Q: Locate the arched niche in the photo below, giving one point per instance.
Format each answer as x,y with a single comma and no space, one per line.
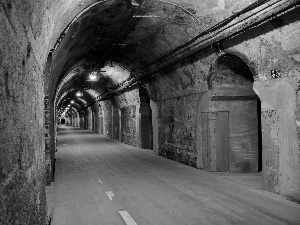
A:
228,121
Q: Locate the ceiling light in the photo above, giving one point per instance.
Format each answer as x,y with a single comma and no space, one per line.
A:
93,76
72,102
78,94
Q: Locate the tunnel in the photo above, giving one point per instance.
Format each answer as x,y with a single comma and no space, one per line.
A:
116,111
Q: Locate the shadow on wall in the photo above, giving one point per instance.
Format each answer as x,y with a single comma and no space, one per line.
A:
146,130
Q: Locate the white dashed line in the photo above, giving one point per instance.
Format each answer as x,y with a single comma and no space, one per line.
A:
100,181
109,194
127,218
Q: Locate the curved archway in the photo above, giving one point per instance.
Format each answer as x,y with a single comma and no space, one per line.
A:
229,132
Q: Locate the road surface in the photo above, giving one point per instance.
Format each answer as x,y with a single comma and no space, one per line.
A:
102,181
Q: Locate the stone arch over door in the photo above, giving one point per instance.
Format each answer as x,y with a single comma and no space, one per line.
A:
228,131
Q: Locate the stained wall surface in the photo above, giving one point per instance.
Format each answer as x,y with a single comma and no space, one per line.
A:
29,29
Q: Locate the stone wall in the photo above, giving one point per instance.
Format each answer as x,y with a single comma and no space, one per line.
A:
177,130
272,53
22,146
108,110
128,125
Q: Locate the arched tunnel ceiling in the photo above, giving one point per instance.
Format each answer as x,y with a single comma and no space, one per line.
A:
132,33
69,98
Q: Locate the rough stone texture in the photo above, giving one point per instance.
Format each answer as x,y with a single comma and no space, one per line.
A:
264,49
47,142
30,28
231,79
108,109
22,146
177,130
128,126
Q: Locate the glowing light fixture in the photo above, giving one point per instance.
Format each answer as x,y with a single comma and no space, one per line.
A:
93,76
72,102
78,94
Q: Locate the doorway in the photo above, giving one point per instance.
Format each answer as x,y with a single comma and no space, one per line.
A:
215,137
146,129
232,92
115,121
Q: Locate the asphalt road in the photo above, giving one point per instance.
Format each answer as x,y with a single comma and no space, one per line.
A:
102,181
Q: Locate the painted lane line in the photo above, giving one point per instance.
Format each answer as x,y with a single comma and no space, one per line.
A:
100,181
127,218
109,194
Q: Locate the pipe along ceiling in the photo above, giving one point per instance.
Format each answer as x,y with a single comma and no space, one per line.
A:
113,45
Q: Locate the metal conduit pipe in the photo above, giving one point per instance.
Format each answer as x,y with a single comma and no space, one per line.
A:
215,27
224,34
186,11
132,17
283,8
220,27
208,31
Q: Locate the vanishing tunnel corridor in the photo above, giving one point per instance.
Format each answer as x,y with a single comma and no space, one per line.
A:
171,111
96,178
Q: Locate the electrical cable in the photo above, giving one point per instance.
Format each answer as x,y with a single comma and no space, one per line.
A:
222,24
171,55
235,34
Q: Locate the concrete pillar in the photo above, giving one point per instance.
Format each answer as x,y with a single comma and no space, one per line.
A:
154,109
90,118
53,137
120,125
281,162
137,125
77,119
47,141
104,122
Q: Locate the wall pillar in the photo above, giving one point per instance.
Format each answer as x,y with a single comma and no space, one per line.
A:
154,109
120,124
90,119
47,141
137,125
77,119
53,136
281,162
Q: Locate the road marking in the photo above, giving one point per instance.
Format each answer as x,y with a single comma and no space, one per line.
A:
100,181
109,194
127,218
